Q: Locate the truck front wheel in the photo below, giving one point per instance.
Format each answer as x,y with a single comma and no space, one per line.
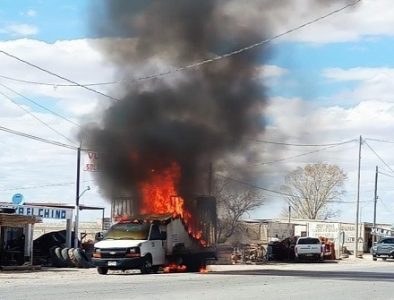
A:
102,270
146,267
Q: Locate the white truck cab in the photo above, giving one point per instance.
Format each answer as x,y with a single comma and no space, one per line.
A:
131,245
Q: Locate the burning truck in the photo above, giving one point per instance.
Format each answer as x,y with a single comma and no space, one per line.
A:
159,135
166,234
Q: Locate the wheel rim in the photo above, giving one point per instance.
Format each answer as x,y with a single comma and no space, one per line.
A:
148,266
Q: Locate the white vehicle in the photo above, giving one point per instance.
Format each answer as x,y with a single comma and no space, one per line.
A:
309,248
148,243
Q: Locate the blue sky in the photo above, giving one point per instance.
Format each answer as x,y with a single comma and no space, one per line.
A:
331,82
55,20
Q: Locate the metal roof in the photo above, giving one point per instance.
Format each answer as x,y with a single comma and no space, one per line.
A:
14,219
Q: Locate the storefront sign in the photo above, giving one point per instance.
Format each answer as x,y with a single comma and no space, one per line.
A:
44,212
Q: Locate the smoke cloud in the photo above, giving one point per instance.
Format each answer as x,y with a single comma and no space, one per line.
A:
193,117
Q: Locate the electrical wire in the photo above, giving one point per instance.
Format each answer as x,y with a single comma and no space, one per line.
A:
378,156
305,145
385,174
56,84
35,117
379,140
256,186
42,186
281,193
40,105
36,138
303,154
57,75
192,65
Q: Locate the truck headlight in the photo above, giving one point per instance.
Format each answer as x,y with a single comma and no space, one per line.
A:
133,252
97,253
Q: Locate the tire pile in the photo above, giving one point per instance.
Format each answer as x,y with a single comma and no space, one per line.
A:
69,258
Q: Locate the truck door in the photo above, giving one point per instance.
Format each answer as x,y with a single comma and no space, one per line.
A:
157,246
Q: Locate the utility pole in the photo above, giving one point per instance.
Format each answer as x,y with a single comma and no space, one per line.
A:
358,197
76,222
374,205
289,213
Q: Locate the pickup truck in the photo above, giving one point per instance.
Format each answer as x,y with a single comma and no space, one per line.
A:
309,248
383,249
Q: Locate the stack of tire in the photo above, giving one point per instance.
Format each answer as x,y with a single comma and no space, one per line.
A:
69,258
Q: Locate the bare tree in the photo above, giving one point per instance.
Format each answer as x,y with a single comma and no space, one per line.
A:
312,189
232,205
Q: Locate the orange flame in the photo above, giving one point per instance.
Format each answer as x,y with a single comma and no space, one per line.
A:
172,268
203,270
160,196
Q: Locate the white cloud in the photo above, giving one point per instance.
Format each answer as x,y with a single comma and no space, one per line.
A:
297,121
367,18
268,71
29,13
372,83
25,162
20,29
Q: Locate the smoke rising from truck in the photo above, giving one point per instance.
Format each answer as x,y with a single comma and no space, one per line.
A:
188,118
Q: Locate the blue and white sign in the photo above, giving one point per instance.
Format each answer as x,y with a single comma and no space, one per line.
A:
17,199
44,212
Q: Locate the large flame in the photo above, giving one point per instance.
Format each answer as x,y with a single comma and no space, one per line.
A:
160,196
159,193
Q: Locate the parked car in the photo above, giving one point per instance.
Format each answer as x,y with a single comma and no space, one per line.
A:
309,248
383,249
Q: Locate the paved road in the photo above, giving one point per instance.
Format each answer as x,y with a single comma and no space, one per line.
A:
345,280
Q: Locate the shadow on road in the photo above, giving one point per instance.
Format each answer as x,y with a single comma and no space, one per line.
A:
340,275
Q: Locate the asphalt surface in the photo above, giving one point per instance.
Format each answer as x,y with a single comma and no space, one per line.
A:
351,279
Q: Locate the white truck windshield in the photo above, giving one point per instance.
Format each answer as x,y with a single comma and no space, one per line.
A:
128,231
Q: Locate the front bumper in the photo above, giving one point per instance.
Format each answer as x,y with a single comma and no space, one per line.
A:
119,263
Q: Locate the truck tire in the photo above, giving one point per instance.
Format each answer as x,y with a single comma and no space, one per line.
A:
146,267
61,261
374,258
102,270
82,258
72,258
66,257
56,262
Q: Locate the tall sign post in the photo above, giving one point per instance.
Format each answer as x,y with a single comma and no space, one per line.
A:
374,204
76,223
358,197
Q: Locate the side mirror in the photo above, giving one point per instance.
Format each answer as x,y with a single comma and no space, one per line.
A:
99,236
163,235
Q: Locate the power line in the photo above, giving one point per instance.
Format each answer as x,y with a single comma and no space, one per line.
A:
36,138
280,193
379,140
189,66
39,105
256,186
41,186
35,117
305,145
57,75
385,174
303,154
57,84
378,156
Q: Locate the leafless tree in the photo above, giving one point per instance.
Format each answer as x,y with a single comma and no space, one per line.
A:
233,204
313,189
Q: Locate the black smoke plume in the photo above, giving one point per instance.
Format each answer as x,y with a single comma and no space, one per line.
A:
193,117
